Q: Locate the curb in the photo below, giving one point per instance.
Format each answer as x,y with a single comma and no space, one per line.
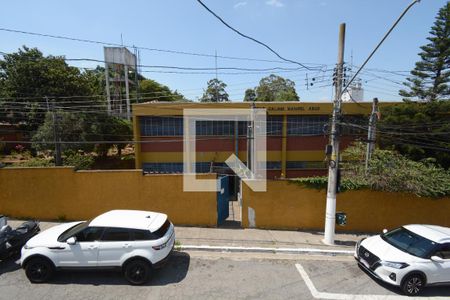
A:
310,251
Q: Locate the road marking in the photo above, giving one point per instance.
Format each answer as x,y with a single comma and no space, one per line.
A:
321,295
267,250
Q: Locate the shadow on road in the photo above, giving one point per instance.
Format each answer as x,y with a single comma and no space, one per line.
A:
431,291
9,265
173,272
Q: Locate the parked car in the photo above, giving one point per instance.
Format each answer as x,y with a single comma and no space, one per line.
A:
135,242
411,257
12,240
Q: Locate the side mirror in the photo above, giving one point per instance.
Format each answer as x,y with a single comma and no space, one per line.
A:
385,230
71,241
436,258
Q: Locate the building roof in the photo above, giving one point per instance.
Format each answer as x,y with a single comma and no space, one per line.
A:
273,108
438,234
137,219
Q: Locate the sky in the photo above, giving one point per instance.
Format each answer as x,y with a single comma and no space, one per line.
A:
305,31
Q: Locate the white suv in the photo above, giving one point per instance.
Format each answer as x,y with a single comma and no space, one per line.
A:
411,256
134,241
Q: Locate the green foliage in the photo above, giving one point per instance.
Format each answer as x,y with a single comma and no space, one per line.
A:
417,130
250,95
79,161
27,77
81,130
215,92
393,172
388,171
321,182
275,88
431,75
150,90
35,162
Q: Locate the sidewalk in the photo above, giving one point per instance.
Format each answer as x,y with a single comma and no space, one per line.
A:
251,240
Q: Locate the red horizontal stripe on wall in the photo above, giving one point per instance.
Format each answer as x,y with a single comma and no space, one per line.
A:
273,174
162,144
273,143
211,144
306,143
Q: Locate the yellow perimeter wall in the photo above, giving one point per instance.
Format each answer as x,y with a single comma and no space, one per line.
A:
49,193
286,205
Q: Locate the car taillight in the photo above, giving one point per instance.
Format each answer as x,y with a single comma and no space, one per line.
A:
160,246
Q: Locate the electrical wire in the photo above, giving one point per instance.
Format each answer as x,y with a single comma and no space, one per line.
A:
250,38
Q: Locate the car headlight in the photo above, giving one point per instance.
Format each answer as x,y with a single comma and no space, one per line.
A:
395,265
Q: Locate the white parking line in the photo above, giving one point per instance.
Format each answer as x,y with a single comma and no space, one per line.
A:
321,295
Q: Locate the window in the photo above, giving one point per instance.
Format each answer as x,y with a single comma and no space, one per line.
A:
274,125
116,235
141,235
306,125
444,251
89,234
162,126
409,242
162,230
305,165
170,167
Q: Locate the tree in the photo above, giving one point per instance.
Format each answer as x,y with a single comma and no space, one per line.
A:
83,131
27,77
431,76
275,88
417,130
215,92
150,90
250,95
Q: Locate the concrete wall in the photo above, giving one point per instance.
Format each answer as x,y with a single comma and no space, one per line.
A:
286,205
50,193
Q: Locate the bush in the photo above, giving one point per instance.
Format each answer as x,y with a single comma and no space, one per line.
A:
35,162
388,171
79,161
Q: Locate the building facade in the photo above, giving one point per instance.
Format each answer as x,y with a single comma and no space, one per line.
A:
297,134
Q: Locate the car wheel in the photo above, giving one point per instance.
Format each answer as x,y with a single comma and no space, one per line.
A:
39,270
413,284
137,271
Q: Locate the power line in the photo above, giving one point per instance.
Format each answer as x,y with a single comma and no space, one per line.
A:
143,48
250,38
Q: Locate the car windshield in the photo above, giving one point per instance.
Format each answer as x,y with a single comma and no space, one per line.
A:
72,231
409,242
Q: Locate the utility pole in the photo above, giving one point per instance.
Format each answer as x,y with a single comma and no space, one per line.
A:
250,140
56,138
330,215
371,135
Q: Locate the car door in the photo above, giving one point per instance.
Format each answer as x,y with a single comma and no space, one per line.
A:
443,268
84,253
114,244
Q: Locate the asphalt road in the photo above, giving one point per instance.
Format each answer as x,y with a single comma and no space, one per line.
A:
201,275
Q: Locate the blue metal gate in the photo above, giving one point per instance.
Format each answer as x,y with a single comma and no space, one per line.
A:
223,197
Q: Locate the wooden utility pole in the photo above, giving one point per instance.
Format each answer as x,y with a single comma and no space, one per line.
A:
330,215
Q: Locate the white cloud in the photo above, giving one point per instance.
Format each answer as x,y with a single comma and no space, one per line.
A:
275,3
240,4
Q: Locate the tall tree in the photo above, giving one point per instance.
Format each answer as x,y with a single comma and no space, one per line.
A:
250,95
418,130
150,90
431,75
27,77
215,92
276,88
